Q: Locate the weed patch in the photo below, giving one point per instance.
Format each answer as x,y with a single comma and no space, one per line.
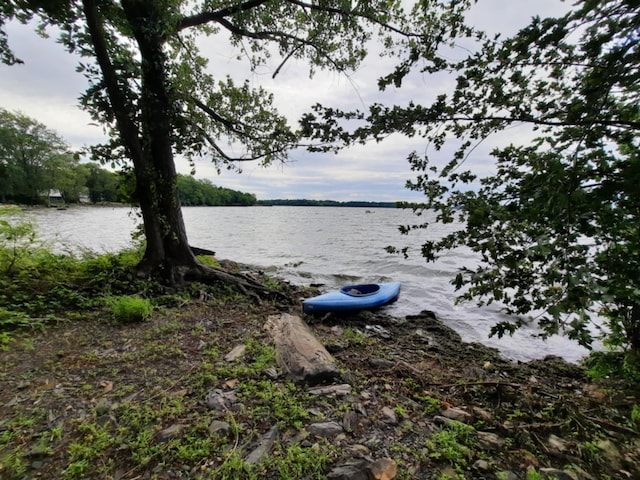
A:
454,443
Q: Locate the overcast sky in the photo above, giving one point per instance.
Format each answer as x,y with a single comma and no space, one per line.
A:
47,86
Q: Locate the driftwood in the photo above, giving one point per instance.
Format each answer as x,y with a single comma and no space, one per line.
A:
202,251
300,355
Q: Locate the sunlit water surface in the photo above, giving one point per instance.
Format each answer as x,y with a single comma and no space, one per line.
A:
318,245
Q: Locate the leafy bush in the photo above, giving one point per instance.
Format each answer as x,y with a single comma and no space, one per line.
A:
130,309
618,364
10,319
17,240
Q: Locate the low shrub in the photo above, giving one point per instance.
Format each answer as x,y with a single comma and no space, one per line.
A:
130,309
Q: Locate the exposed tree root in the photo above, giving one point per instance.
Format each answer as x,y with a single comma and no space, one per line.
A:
245,283
179,276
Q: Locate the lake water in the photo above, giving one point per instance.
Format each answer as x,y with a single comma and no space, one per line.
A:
317,245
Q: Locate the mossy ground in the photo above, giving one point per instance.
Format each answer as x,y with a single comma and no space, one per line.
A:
89,398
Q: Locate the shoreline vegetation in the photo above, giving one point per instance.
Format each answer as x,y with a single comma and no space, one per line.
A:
326,203
109,375
259,203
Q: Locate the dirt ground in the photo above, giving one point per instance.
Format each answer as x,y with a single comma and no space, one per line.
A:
72,397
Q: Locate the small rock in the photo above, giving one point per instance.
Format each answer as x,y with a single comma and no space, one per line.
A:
358,450
557,443
174,431
351,470
325,429
237,352
218,427
557,474
447,471
440,420
390,416
332,390
383,469
218,399
490,441
482,414
457,414
424,336
316,412
365,395
526,458
350,421
378,330
336,330
595,392
611,452
481,465
103,406
271,373
381,363
349,378
264,447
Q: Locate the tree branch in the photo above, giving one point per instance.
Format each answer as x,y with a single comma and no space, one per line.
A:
534,121
126,126
341,12
229,159
217,117
208,17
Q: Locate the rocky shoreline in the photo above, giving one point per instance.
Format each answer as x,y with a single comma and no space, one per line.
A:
411,401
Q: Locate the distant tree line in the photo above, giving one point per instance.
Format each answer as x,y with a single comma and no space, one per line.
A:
193,191
36,164
327,203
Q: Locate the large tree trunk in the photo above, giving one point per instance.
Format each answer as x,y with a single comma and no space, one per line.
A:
149,147
148,140
167,252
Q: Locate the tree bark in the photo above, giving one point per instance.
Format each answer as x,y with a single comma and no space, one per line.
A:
167,253
145,130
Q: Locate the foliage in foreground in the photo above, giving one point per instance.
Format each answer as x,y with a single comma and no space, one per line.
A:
556,219
38,286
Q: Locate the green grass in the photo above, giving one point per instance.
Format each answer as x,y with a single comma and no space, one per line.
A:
455,443
130,309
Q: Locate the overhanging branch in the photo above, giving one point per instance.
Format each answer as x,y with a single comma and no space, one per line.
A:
549,123
211,141
338,11
231,125
209,17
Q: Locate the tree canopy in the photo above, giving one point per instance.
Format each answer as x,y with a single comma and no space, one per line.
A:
33,160
556,222
158,96
195,192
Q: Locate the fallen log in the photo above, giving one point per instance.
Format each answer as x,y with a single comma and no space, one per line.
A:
202,251
300,355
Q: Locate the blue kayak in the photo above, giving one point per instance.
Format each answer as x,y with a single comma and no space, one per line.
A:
353,297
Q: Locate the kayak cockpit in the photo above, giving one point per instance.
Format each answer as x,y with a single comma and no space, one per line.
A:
361,290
